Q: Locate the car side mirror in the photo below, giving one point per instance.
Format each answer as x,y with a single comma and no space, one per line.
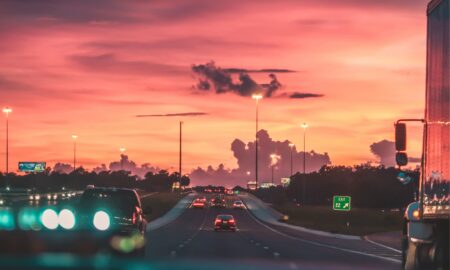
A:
400,136
401,158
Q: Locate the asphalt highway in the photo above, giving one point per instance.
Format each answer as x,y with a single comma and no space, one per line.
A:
192,237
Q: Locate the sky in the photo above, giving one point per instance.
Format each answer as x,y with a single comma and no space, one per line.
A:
90,67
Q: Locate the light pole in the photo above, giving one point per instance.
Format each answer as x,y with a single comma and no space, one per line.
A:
304,126
7,111
122,150
74,138
256,97
291,145
181,141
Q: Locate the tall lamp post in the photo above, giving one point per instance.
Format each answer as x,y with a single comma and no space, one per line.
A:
7,111
256,97
304,126
180,154
74,138
291,145
122,150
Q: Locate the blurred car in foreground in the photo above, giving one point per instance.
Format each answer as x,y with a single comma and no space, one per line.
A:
225,222
199,204
105,220
238,205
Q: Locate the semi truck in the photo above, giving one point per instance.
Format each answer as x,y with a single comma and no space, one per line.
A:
426,228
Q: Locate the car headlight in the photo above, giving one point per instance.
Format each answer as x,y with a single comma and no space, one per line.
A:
66,219
49,219
101,220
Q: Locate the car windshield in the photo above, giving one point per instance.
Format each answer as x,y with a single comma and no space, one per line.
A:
133,131
123,200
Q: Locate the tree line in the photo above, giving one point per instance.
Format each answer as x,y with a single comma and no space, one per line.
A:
368,186
80,178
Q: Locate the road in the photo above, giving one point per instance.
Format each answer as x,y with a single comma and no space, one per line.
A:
191,236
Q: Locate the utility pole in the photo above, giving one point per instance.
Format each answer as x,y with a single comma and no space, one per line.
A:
181,142
7,111
257,97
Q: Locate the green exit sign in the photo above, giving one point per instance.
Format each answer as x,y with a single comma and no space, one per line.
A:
342,203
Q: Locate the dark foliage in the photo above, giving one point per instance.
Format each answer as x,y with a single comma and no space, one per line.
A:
80,178
369,187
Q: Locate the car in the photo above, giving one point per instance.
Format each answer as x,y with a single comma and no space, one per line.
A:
218,203
117,211
202,198
238,205
198,203
225,222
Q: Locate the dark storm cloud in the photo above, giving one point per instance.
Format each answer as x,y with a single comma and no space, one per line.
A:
74,11
173,114
268,70
245,158
385,151
8,84
220,80
63,168
298,95
131,166
109,63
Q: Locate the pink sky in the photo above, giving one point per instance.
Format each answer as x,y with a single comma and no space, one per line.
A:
88,67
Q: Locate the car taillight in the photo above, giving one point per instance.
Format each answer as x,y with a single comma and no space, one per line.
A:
231,221
218,220
134,218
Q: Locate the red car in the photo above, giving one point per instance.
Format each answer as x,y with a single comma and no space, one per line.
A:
198,203
225,222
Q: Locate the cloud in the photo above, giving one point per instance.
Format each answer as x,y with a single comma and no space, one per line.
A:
131,166
63,168
384,150
173,114
109,63
220,80
298,95
268,70
245,158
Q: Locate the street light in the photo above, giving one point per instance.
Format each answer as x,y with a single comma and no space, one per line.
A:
304,126
122,150
256,97
7,111
74,138
291,145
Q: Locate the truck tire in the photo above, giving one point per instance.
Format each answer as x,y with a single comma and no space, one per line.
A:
412,260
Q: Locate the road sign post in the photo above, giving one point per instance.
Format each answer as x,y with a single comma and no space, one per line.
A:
342,203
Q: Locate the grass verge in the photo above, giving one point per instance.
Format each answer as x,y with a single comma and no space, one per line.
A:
158,204
354,222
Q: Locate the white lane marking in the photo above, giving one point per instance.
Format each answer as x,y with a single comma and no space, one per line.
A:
381,245
180,246
325,245
173,253
293,265
266,247
276,254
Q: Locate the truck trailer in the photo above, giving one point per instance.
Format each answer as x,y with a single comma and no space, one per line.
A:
426,228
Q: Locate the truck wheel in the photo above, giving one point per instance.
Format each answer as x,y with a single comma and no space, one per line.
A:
412,260
439,253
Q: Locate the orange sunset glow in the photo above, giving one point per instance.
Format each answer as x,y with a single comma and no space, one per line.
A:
89,68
